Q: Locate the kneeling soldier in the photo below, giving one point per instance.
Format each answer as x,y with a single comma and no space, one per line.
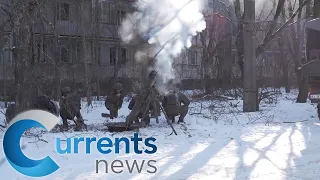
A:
114,100
172,104
70,104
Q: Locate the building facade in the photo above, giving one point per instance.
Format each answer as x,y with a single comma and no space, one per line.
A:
81,39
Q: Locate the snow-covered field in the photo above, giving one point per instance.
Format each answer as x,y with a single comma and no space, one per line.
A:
219,144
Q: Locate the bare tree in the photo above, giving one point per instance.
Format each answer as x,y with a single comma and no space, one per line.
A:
84,53
296,30
272,32
284,63
96,45
23,13
211,39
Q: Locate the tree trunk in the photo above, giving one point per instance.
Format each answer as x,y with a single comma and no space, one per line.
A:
302,81
303,88
285,70
316,9
85,56
56,56
239,37
250,90
57,79
97,47
283,58
208,85
22,53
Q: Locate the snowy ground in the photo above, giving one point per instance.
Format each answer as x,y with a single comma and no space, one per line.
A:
219,144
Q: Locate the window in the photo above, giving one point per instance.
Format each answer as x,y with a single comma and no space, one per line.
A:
234,58
77,53
192,57
120,16
113,54
1,57
42,53
64,55
95,53
105,12
123,55
6,56
63,11
104,53
269,58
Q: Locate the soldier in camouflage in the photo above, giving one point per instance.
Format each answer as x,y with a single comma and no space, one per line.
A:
130,107
153,111
114,100
41,102
44,103
176,104
70,105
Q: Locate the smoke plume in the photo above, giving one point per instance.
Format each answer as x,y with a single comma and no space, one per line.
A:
168,26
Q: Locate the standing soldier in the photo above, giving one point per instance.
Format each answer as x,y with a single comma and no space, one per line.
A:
70,108
114,100
172,105
130,107
155,104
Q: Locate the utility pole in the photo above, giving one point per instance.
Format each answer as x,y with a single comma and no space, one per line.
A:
249,80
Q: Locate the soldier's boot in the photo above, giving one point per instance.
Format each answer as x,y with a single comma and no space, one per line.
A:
172,118
147,120
183,113
113,113
116,113
79,124
65,125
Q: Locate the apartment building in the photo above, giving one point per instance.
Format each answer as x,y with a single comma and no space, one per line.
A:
83,42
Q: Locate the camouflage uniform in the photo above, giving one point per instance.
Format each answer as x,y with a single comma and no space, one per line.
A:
70,108
154,112
114,100
41,102
172,105
44,103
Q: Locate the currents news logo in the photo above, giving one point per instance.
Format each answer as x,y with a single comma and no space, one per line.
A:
46,166
11,143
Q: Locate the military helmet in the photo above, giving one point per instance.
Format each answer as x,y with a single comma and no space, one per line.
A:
65,90
117,86
152,74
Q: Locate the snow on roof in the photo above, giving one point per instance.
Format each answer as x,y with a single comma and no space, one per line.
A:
314,24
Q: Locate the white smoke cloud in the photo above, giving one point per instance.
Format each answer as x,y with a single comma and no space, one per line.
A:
167,25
